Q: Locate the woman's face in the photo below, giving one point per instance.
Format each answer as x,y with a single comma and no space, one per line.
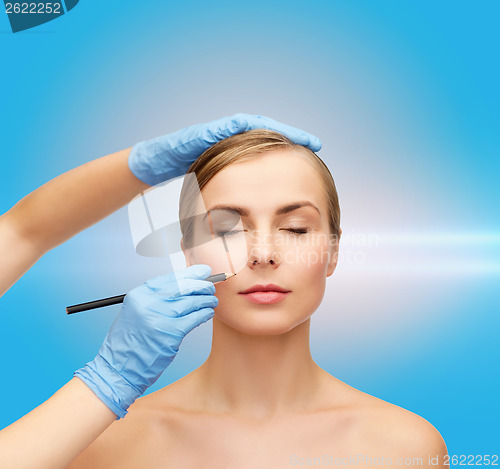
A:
284,216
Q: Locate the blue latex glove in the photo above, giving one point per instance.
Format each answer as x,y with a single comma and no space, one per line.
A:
146,335
170,156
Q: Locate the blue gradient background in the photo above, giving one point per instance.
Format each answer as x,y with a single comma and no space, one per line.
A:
405,98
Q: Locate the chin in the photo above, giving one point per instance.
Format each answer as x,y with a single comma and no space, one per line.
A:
255,322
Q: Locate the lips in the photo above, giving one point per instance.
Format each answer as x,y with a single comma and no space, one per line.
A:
265,294
260,288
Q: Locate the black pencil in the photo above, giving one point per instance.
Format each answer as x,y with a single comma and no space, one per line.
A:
114,300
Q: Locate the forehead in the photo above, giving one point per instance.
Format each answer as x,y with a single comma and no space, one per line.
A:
270,179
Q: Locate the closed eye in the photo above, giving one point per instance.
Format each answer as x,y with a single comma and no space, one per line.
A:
298,230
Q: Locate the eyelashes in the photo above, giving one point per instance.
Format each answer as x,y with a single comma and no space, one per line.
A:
297,231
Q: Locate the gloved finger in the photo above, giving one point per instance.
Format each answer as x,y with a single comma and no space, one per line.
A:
189,322
196,271
240,122
186,287
185,305
183,287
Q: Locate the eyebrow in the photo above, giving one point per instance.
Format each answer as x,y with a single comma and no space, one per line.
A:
243,212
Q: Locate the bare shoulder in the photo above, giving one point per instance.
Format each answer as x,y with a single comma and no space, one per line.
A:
123,443
380,429
399,433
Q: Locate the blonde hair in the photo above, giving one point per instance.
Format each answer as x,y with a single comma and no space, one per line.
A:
245,146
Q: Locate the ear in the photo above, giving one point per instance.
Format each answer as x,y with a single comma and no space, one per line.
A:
334,256
188,254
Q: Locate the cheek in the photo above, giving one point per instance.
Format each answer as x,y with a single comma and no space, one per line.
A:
228,254
309,254
309,264
226,294
213,254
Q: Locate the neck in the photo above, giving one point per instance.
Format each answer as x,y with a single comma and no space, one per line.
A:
259,376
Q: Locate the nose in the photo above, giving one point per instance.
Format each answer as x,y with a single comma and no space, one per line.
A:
262,250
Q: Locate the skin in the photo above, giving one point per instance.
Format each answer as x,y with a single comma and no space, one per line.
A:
260,400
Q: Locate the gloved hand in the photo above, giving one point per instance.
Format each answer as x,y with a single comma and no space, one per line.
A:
170,156
146,335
